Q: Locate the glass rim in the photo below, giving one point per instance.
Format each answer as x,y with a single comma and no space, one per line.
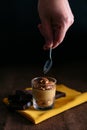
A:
48,77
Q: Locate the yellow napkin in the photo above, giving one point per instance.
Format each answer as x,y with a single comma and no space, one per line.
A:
72,99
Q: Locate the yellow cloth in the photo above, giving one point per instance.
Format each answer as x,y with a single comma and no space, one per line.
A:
72,99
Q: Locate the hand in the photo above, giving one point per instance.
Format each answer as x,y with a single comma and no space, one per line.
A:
56,18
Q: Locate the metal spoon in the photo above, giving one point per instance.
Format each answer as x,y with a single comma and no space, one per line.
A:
48,63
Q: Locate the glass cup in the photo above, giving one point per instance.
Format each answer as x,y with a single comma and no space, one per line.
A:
43,90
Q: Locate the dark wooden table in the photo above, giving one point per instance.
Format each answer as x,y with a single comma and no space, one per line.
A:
73,74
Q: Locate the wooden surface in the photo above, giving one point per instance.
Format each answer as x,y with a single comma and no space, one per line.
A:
73,75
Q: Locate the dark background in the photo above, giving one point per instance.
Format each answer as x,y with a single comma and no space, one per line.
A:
21,41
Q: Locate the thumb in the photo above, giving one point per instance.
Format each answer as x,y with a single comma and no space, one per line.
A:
46,31
59,35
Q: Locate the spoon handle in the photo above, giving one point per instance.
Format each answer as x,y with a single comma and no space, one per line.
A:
50,53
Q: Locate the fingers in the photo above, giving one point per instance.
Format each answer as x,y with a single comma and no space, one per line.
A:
45,30
54,38
54,34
